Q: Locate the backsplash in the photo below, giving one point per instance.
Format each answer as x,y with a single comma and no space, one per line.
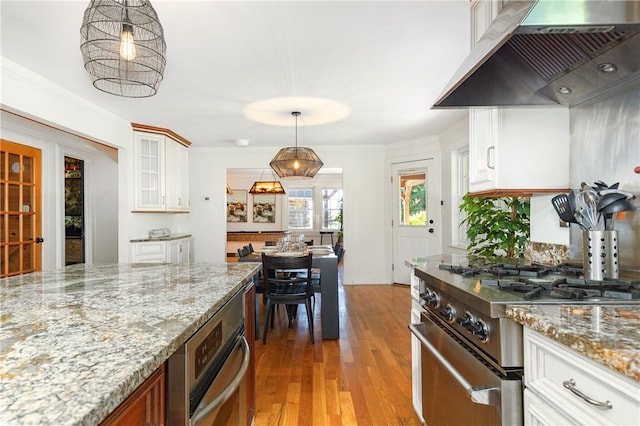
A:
605,145
545,253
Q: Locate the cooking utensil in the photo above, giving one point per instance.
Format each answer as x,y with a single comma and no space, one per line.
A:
587,207
628,195
611,210
562,206
609,198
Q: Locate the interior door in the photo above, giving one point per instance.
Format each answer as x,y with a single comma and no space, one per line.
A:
417,214
20,215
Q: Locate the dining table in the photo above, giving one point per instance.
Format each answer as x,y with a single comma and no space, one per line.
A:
327,261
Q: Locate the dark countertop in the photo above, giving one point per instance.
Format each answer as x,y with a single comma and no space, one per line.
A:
75,342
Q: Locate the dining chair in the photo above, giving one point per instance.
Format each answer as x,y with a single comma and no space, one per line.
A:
243,251
283,288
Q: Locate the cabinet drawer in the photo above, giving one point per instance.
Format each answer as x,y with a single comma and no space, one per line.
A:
548,365
149,252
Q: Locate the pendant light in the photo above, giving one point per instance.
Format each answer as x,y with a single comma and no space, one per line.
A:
123,47
296,162
267,186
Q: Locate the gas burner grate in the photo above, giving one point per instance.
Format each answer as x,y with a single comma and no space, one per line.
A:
569,289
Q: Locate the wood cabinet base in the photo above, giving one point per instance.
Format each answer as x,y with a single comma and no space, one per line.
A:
145,406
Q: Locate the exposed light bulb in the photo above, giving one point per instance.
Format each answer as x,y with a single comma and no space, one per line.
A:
127,45
296,165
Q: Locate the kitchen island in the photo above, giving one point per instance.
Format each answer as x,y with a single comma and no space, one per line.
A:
75,342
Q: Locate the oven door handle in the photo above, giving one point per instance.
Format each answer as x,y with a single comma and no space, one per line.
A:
483,394
202,412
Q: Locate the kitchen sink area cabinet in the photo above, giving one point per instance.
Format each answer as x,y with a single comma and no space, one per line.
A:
563,387
161,161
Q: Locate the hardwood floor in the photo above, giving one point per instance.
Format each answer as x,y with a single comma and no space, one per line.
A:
364,378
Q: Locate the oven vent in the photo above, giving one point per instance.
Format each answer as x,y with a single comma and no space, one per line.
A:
552,55
549,52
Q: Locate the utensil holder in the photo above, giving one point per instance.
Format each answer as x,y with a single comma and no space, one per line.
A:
600,254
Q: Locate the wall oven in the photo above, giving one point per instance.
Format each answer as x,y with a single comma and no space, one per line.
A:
206,377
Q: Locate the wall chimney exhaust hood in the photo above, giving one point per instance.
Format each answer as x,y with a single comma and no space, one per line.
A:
549,52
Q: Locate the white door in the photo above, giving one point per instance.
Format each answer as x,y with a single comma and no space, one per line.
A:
417,214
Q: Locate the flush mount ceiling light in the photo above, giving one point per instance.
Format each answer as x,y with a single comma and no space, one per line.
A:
123,47
296,162
267,186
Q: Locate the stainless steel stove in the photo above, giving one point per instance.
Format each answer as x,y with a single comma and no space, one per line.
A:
463,320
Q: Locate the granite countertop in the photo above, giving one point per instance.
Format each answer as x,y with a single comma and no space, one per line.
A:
607,334
75,342
166,238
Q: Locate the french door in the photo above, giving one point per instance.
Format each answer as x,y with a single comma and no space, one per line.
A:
20,215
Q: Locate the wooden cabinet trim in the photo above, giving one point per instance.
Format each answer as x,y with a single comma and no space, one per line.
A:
161,131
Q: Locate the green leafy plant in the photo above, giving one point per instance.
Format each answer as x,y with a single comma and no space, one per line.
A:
496,227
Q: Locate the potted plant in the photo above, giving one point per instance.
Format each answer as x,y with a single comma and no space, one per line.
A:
496,227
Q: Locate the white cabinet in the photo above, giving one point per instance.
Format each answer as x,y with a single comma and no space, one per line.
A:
178,250
518,148
161,251
161,167
515,148
565,387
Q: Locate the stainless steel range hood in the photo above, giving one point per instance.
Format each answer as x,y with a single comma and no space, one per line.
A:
549,52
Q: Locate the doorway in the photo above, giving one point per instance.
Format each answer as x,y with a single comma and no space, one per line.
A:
417,216
20,209
74,220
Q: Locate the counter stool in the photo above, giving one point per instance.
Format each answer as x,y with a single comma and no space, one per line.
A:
323,233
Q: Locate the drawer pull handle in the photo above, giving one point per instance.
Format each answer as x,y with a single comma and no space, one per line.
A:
571,385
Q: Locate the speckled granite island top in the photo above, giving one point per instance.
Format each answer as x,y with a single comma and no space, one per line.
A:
74,343
609,335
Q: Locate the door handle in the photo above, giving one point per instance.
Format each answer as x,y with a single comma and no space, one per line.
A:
39,240
431,230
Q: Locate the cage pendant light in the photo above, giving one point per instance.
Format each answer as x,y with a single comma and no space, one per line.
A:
123,47
296,162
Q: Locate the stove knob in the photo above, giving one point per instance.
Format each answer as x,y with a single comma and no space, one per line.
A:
433,300
480,330
466,320
449,313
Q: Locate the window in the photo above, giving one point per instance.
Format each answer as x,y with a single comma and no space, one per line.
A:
331,209
413,199
300,208
459,187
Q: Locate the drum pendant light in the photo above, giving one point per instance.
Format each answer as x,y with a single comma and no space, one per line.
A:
296,162
267,186
123,47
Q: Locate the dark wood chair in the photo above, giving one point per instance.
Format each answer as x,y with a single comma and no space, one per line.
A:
244,251
284,288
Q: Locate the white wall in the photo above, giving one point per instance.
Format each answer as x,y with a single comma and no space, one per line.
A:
455,138
363,185
101,194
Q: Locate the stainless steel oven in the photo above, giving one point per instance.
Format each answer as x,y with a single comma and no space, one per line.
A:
471,355
206,377
460,388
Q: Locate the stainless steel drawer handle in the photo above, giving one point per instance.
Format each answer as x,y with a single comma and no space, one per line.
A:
203,411
571,385
483,394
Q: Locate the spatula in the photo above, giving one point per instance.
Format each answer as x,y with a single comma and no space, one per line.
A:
562,206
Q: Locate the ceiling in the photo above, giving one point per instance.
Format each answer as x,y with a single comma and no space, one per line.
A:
384,62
